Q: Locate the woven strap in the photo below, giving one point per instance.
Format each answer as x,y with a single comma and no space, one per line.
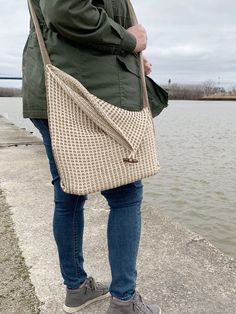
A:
46,59
134,20
43,49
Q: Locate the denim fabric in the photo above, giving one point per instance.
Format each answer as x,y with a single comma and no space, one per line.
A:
123,230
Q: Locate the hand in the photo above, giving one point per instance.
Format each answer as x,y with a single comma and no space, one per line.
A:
141,37
147,66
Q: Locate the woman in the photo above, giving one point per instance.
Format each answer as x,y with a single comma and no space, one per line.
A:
95,42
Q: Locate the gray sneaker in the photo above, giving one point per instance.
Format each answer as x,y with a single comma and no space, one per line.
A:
89,292
133,306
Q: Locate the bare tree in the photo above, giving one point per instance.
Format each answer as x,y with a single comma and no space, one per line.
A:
209,87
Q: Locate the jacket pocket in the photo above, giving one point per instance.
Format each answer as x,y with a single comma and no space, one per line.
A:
130,63
129,82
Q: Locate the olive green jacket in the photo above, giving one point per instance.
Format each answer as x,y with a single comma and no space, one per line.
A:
87,39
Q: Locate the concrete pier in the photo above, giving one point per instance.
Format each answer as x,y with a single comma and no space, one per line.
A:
178,269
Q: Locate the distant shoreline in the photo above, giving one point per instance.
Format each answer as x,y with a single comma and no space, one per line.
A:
230,98
175,91
10,92
11,96
218,98
207,91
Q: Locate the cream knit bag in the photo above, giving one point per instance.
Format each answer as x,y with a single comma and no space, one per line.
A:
96,145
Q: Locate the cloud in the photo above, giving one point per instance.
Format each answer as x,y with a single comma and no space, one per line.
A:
181,51
188,40
14,23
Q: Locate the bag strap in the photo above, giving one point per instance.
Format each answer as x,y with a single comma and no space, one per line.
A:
43,49
46,59
134,21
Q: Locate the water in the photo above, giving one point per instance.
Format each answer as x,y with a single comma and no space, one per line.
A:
11,108
197,154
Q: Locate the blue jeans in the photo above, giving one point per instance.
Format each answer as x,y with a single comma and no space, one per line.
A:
123,230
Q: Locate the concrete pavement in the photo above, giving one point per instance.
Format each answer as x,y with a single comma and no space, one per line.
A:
178,269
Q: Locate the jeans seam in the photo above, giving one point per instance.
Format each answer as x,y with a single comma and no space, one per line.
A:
75,234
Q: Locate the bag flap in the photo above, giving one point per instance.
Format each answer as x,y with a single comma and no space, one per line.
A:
127,127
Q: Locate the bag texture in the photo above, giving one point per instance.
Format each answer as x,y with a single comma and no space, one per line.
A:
96,146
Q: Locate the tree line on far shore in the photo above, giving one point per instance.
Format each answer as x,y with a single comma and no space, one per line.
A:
176,91
197,91
10,92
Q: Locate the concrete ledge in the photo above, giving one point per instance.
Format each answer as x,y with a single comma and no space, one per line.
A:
178,269
11,135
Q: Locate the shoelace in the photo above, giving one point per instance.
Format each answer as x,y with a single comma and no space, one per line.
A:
140,305
90,283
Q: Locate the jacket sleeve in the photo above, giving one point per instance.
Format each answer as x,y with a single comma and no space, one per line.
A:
86,24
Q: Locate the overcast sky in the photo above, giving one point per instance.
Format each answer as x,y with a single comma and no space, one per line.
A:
189,41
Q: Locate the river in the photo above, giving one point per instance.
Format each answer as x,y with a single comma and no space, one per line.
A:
197,153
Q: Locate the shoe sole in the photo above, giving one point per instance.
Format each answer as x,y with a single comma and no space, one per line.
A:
70,310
